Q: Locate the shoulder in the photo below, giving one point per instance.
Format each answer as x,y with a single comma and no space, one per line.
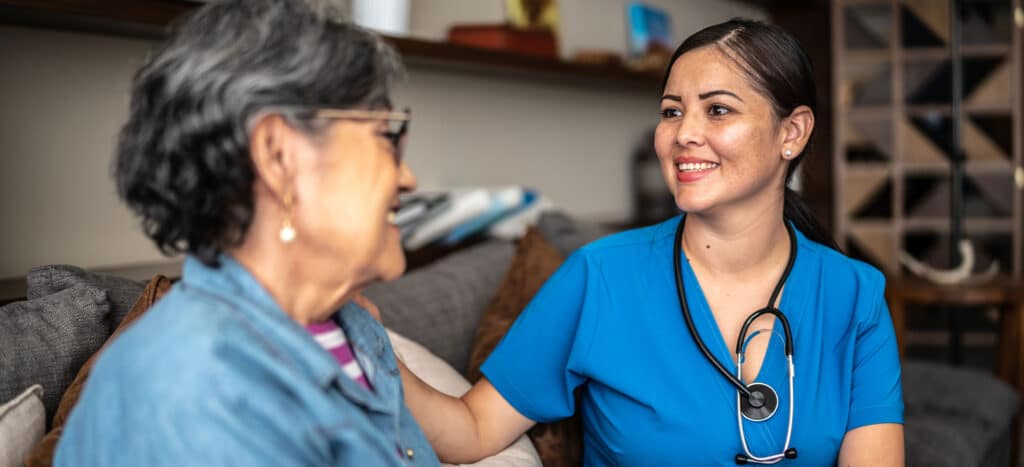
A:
186,343
633,244
843,283
840,269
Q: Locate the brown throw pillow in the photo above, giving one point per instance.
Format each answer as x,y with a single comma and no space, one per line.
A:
559,443
42,454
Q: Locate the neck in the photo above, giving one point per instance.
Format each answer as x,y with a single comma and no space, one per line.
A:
738,244
307,291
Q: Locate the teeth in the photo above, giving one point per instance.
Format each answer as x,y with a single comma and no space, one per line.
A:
391,217
696,166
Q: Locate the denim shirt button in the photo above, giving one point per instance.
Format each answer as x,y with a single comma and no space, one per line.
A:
409,453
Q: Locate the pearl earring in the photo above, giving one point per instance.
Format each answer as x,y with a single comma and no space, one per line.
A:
287,233
789,153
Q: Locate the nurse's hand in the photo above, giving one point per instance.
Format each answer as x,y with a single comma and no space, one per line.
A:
367,305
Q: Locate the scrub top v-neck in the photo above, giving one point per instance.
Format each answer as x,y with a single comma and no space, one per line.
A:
606,331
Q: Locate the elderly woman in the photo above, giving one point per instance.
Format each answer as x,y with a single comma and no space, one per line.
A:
262,144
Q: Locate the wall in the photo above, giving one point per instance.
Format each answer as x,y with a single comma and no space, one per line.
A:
65,95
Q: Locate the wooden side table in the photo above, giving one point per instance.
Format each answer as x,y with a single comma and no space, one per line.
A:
1005,294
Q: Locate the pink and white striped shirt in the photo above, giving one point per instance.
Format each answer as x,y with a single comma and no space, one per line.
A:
332,338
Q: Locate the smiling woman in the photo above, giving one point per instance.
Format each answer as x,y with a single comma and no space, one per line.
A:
261,142
746,337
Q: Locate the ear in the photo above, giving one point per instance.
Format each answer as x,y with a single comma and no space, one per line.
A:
796,131
272,146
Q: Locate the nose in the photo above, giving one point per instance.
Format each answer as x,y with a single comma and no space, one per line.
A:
691,130
406,179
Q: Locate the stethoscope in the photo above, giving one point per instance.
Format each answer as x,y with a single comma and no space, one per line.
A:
758,401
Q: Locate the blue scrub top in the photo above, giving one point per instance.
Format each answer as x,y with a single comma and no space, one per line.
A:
609,320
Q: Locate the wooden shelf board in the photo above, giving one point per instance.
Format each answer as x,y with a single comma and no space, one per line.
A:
978,168
884,3
149,19
866,54
934,224
946,109
971,225
867,112
868,168
967,51
870,224
423,51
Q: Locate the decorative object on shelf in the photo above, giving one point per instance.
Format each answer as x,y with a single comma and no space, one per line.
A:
531,29
962,274
385,16
650,37
533,14
536,42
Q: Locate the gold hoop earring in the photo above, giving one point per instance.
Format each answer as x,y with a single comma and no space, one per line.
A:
287,233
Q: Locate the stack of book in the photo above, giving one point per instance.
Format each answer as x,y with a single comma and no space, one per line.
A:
450,217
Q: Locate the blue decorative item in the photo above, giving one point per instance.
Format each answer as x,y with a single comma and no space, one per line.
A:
650,28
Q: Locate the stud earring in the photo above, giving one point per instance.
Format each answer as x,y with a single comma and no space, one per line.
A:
789,153
287,233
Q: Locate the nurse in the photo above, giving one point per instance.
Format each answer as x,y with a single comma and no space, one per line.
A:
737,110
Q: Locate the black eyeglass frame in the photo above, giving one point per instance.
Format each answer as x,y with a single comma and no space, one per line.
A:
394,137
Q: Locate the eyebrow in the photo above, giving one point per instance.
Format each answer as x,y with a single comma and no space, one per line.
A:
717,92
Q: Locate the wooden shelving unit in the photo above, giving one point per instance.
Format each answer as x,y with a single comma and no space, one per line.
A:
893,114
149,19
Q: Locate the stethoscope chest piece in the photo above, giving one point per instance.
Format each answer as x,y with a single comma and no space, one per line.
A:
762,403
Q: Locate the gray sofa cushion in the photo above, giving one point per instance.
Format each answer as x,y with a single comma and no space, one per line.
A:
121,292
46,340
566,234
954,416
439,306
936,442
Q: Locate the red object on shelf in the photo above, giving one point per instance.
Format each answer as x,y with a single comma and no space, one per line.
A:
540,43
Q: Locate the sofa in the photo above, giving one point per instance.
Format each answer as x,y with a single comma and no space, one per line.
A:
954,416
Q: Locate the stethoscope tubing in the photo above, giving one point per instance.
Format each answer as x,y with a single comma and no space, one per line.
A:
688,318
737,381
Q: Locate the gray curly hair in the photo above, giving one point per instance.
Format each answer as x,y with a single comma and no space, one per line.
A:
182,161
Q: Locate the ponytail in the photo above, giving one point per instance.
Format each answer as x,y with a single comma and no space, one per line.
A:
796,211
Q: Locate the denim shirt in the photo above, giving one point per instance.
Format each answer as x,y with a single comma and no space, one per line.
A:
216,373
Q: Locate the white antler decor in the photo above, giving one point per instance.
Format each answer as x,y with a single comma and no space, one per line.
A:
958,275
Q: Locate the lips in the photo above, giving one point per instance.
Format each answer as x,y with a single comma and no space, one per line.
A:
691,169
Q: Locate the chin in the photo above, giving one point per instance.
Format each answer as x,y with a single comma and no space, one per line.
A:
691,204
393,267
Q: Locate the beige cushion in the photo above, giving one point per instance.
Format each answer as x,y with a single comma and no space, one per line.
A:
435,372
22,424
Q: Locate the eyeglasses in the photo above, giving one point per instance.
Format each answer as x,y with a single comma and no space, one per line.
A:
398,124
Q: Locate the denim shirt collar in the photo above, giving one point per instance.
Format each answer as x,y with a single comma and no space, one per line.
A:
287,340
